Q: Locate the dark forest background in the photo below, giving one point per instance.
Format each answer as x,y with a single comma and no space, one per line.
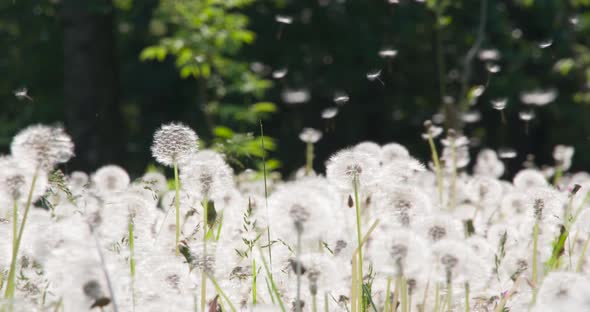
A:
112,71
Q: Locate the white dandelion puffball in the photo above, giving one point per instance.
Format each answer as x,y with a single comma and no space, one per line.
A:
174,142
347,165
42,146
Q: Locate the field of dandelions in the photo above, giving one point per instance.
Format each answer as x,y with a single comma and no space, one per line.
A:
380,231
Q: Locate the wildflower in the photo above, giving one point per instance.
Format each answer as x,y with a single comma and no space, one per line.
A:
349,164
439,226
529,178
42,146
488,164
455,262
174,142
405,204
399,253
563,291
206,175
310,135
110,179
563,156
393,151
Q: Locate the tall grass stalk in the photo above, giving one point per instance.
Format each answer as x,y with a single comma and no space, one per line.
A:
273,285
253,280
177,206
583,254
266,195
453,202
222,293
11,286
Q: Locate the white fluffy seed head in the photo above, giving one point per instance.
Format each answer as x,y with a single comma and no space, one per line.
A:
110,179
42,146
310,135
346,165
174,142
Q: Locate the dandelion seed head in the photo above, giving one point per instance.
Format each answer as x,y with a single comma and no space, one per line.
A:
110,179
330,112
310,135
174,142
295,96
346,165
42,146
284,19
538,97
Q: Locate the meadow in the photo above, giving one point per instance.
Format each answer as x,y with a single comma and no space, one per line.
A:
380,231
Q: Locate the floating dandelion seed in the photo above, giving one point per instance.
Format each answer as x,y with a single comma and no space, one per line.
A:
375,75
284,19
493,68
538,97
393,1
295,96
341,98
471,116
546,43
387,53
22,93
489,55
280,73
330,112
499,104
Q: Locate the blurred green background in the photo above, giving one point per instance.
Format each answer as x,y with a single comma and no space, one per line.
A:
112,71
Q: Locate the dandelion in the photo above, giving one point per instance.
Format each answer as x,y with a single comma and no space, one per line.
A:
309,136
295,96
110,179
489,55
563,160
488,164
280,73
173,144
387,53
42,146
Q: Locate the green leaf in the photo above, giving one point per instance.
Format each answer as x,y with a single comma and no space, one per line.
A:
153,53
264,107
223,132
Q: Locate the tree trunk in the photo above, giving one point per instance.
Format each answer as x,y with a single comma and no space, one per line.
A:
93,115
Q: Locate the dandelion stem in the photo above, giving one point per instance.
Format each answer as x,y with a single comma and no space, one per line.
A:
557,175
404,294
177,205
387,295
11,286
132,259
436,297
449,296
314,303
453,202
437,168
535,240
309,159
205,205
298,271
326,304
583,254
359,237
467,297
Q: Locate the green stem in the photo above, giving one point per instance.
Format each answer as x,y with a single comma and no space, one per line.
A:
453,175
177,206
314,303
535,241
436,297
558,174
326,304
387,295
10,288
449,296
253,279
359,237
298,271
132,259
437,168
205,205
467,297
309,159
404,294
223,295
583,254
272,282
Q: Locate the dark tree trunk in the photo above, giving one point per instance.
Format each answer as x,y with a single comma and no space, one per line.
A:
91,93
